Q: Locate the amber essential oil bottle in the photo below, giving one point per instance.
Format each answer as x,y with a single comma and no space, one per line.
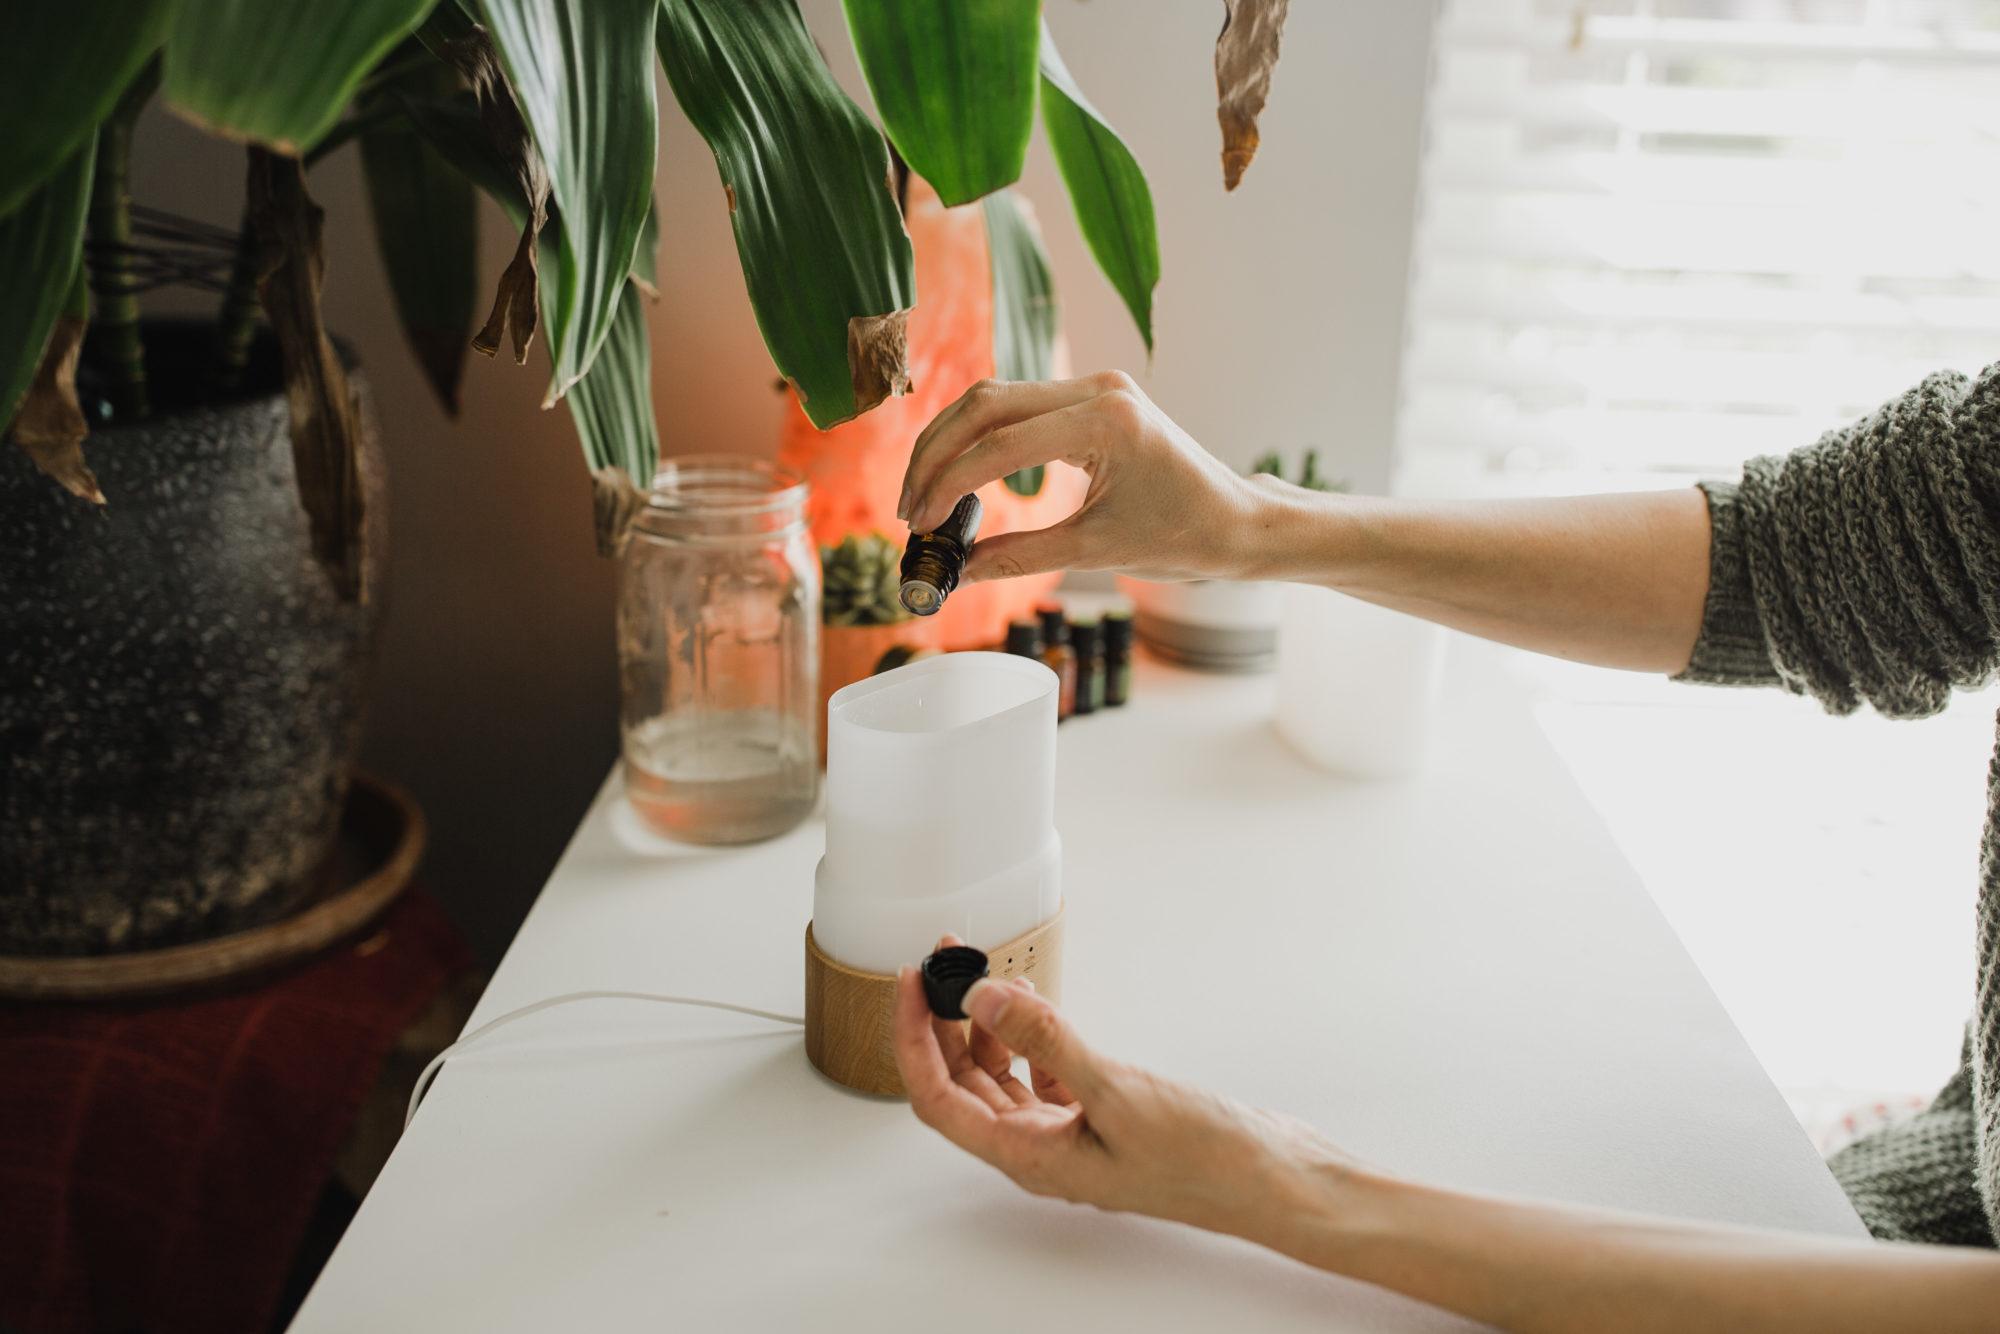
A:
1117,656
1086,638
1024,639
1058,656
933,562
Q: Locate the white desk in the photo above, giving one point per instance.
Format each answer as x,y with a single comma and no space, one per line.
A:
1457,977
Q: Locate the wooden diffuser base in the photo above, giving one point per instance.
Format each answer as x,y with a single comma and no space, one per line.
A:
850,1015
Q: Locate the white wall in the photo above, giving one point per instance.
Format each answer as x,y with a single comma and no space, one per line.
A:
1278,321
1280,306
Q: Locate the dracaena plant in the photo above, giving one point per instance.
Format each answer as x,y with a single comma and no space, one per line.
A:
549,107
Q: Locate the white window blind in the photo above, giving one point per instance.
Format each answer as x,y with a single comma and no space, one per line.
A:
1657,237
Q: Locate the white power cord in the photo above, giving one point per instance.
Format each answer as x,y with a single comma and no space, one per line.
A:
437,1062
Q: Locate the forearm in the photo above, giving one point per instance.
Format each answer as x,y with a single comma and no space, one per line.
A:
1550,1268
1616,580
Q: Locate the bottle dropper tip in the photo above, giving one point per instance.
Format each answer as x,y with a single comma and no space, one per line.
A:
920,598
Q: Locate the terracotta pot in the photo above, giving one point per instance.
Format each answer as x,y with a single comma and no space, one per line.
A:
180,685
856,469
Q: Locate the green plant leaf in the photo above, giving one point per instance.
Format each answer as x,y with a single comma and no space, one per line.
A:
453,128
954,84
277,74
427,227
582,74
41,247
613,404
806,178
1114,206
62,68
1024,302
1026,482
1024,306
646,259
448,23
613,410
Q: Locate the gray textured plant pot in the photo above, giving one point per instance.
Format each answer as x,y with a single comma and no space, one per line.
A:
180,685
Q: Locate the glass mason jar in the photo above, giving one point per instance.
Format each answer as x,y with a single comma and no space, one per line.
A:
718,651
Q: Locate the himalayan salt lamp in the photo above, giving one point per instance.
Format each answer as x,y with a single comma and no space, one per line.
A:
856,469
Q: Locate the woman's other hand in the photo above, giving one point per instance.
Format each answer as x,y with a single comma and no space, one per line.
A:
1096,1131
1159,505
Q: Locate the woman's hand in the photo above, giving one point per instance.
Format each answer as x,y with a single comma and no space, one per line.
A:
1100,1132
1159,505
1097,1131
1618,580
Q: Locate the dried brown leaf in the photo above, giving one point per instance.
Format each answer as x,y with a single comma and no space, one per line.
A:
515,308
515,305
617,503
878,357
1245,53
324,416
49,425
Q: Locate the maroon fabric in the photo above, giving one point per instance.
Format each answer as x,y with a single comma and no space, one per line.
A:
159,1163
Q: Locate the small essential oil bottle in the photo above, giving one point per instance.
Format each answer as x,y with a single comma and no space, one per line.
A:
934,561
1024,639
1117,656
1086,637
1058,656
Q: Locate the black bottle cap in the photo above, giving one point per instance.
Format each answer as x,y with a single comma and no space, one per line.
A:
1025,638
1117,630
1087,635
1055,628
948,975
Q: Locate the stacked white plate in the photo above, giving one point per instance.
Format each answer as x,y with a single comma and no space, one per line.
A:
1212,625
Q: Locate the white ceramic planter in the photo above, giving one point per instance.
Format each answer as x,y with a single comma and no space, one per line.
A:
1211,624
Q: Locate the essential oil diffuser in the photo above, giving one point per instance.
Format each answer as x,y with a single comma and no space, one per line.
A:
940,817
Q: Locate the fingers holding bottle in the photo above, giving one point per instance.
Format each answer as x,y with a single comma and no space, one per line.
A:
984,408
1159,505
1074,434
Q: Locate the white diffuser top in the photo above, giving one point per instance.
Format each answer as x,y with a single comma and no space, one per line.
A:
940,809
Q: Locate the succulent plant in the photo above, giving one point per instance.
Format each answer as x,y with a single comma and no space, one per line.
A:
861,577
1309,475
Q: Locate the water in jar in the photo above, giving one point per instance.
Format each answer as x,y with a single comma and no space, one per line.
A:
719,653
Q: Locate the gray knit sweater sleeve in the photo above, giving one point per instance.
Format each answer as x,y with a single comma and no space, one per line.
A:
1866,569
